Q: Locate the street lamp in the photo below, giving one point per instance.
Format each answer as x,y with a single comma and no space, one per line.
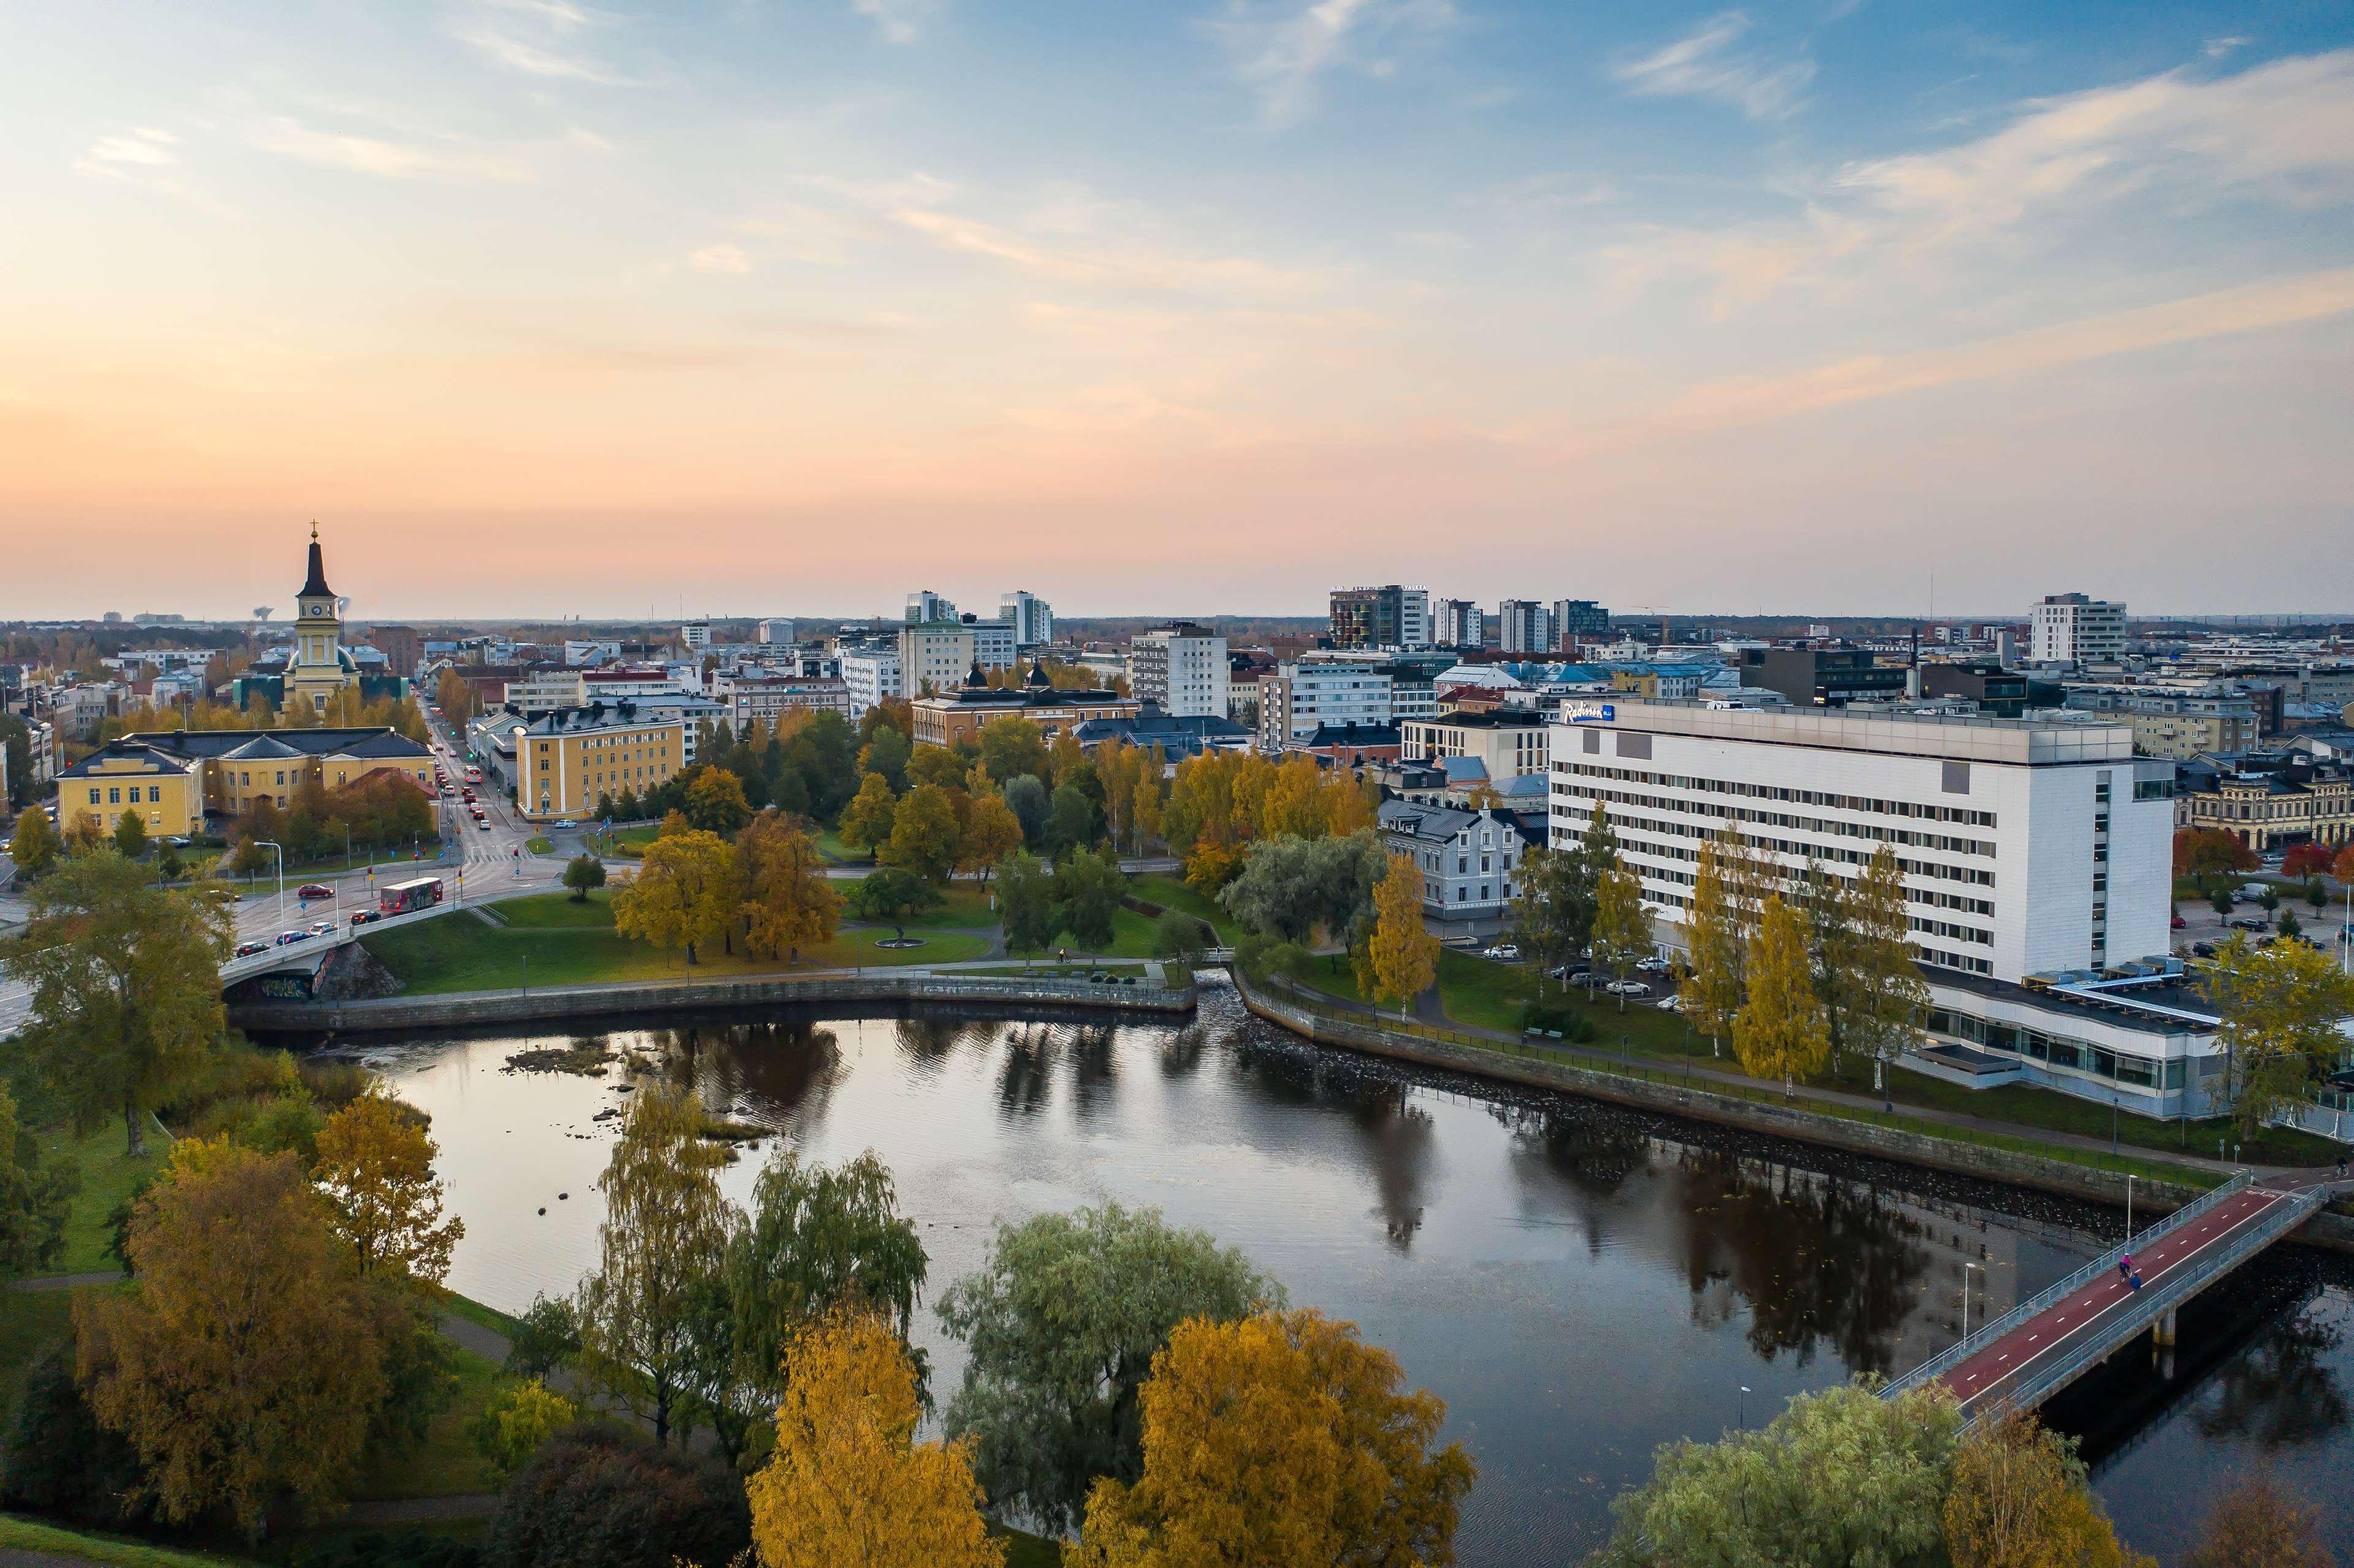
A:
2130,1182
1744,1406
266,844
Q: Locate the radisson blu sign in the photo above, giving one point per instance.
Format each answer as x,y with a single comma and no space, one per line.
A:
1575,711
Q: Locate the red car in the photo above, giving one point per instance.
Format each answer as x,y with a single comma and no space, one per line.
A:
2179,922
314,890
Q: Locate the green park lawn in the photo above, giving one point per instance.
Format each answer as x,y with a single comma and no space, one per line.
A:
1171,892
540,845
556,912
25,1535
446,1464
109,1175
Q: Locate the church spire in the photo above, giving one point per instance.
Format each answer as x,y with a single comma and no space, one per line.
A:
315,585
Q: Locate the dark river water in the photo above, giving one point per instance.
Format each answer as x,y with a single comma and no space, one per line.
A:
1579,1283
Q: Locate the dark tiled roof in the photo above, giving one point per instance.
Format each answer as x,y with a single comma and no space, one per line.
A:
127,750
373,741
315,585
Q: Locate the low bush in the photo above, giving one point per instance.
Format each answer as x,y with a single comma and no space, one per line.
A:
1557,1014
408,1550
596,1496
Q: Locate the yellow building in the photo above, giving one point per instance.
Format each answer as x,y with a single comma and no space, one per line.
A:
318,668
126,778
568,760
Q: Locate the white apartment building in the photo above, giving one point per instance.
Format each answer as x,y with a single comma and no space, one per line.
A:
925,607
870,675
1456,623
1306,692
934,654
748,700
1032,618
1181,667
993,643
1509,745
2069,629
577,650
695,634
1527,627
1414,617
545,691
774,630
2032,852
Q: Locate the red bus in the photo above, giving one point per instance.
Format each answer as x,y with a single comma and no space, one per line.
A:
406,897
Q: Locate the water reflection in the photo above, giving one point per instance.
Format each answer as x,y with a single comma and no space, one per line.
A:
1580,1283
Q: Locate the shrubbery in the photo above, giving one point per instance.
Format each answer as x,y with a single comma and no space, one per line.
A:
597,1496
1558,1013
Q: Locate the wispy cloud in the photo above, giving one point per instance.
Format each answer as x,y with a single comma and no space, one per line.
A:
720,258
1705,63
1281,51
1116,262
535,38
141,146
2218,47
451,163
900,21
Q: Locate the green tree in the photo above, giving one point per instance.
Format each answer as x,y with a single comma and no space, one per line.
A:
131,835
886,754
1061,1324
1025,902
1026,798
890,894
521,1415
36,846
1177,937
1401,957
125,983
583,874
1072,820
17,742
924,835
1012,746
1780,1031
1291,885
1841,1479
1622,927
684,894
715,803
1887,997
32,1200
667,1228
1278,1440
1087,891
2281,1007
168,865
867,821
1553,913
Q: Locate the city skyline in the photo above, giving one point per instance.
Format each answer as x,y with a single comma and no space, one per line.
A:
583,310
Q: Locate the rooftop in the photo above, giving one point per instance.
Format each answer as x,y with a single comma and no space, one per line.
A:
2020,742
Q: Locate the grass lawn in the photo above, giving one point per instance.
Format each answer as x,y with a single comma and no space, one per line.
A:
829,842
967,906
27,1535
556,912
540,845
108,1176
446,1464
630,844
473,1312
1171,892
1060,971
1023,1550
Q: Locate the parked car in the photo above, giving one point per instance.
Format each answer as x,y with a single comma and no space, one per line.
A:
1589,980
2180,923
288,938
247,950
1671,1005
1505,951
367,917
567,822
1565,972
2203,949
1628,988
314,890
177,841
1653,966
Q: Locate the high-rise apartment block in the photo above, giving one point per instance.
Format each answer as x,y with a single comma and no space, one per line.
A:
2069,629
1527,626
1032,618
934,656
871,676
1579,617
1455,623
1392,616
1181,667
925,607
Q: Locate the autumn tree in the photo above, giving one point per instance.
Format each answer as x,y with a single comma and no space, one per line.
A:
666,1227
2209,854
991,832
2259,1523
867,821
2020,1498
84,835
2281,1007
924,835
787,904
715,803
1716,947
2303,861
244,1368
1840,1477
124,978
35,846
1278,1440
1622,927
376,1169
1779,1032
1401,957
847,1485
520,1417
684,894
1061,1324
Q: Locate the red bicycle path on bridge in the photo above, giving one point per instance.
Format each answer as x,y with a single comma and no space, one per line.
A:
2067,1324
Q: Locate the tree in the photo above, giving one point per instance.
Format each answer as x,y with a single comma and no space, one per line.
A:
684,894
1400,956
2221,901
583,874
521,1415
125,983
924,835
1071,819
2260,1524
1841,1477
714,802
1012,746
991,832
2287,925
891,893
2343,868
1026,797
168,865
1177,937
32,1200
131,835
2304,860
2020,1498
36,846
1622,927
1061,1324
245,1367
1290,885
2209,854
665,1230
595,1496
1278,1440
867,821
1553,913
1087,891
847,1484
1025,902
17,765
787,904
375,1169
1886,996
83,835
2280,1007
2316,895
942,766
886,754
1718,948
1780,1031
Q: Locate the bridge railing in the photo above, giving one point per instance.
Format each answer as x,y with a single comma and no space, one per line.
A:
2284,1215
1954,1355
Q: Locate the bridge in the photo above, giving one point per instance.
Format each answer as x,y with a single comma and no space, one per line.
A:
2047,1343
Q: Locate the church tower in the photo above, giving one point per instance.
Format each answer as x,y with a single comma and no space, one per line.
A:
318,668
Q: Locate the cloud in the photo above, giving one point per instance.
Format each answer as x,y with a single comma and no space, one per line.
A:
532,37
1702,64
1117,263
141,146
388,159
2218,47
900,21
1280,52
720,258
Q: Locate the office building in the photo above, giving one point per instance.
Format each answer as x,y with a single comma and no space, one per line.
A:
1821,677
992,642
1032,618
1525,627
567,762
2178,725
1581,619
870,675
1999,692
1507,742
934,655
695,635
1368,617
2069,629
1414,617
1182,668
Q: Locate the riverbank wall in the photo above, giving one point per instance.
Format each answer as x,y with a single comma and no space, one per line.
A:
554,1005
2008,1166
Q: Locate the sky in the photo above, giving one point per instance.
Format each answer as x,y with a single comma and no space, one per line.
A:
543,308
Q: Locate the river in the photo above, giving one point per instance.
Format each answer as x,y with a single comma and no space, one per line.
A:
1580,1283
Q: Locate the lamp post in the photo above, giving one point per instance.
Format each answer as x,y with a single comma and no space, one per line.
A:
1744,1406
1967,1269
268,844
2129,1185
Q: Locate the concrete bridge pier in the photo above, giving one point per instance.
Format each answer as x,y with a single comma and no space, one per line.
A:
2161,1348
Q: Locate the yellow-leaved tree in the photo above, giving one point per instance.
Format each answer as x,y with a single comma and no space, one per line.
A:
1401,958
847,1485
684,894
2020,1499
1277,1441
787,902
867,821
991,832
376,1169
1780,1032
